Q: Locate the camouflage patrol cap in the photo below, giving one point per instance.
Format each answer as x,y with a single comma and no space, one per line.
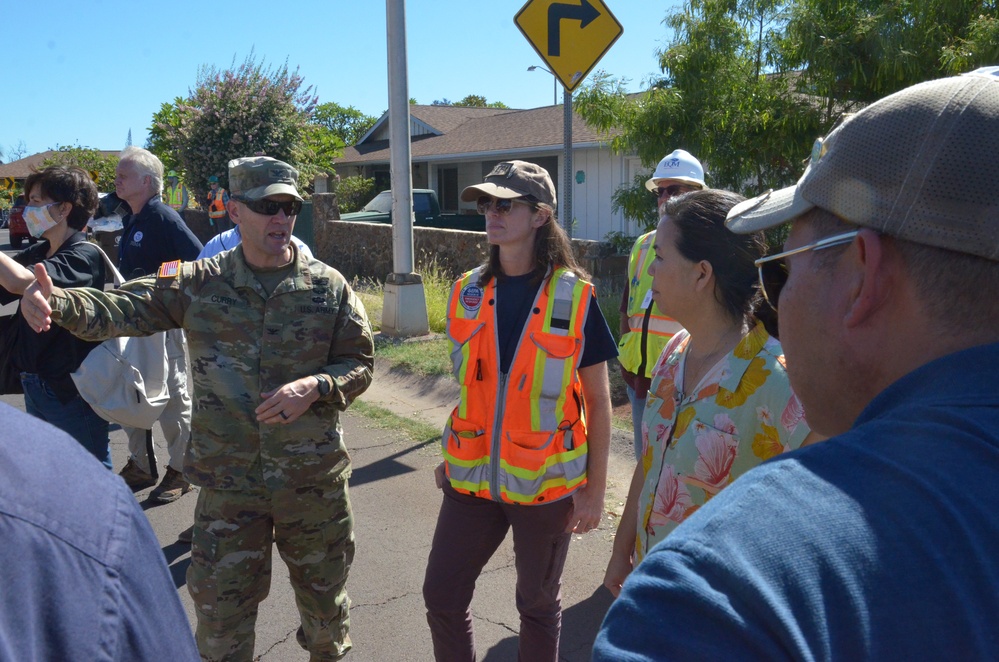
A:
514,179
256,177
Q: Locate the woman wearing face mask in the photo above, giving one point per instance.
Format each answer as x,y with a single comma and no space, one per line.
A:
720,401
59,201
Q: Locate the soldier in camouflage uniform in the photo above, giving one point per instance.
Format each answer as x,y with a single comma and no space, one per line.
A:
279,345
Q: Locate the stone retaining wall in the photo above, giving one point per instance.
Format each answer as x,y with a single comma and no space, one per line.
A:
364,250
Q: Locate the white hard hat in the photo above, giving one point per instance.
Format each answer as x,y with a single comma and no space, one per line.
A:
680,165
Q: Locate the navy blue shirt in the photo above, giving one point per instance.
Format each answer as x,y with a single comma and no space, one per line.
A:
878,544
82,576
515,297
155,235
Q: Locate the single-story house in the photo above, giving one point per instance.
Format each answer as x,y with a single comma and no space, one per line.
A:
454,147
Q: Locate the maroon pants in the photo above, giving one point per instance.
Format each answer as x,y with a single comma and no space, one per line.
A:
469,530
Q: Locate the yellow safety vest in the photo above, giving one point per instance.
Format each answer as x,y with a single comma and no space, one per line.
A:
648,328
175,196
518,437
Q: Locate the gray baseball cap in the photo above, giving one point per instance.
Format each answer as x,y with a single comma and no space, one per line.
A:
921,164
256,177
514,179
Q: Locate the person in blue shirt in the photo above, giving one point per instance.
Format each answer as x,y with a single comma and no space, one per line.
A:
880,542
83,575
225,241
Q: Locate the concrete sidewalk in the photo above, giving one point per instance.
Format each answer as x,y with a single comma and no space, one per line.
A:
395,506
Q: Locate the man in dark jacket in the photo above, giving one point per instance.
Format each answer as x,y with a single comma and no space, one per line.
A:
154,235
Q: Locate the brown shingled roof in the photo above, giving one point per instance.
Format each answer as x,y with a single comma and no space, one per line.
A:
21,168
498,132
447,118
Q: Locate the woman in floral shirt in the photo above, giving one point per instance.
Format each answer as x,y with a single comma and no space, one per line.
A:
720,402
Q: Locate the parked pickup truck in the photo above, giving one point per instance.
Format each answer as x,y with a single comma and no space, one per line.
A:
426,209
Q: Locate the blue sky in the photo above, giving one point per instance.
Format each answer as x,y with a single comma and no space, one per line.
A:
84,72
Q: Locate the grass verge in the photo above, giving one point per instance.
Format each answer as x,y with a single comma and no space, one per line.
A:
415,430
431,356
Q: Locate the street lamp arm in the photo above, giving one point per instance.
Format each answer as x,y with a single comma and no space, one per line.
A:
534,67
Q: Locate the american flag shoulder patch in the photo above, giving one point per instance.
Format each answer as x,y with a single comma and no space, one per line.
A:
169,269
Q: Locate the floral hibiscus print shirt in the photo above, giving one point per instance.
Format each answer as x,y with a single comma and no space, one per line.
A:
698,440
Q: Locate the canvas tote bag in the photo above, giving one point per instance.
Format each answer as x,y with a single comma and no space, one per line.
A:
124,379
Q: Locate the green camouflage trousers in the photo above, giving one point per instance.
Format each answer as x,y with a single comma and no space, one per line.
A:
230,571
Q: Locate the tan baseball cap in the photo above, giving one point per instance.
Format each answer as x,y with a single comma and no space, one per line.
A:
256,177
921,164
514,179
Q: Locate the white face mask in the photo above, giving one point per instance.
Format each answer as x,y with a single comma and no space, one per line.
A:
40,219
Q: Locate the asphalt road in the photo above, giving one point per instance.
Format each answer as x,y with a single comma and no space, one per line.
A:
395,507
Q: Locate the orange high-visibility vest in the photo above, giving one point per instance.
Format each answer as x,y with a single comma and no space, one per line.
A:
518,437
649,330
216,208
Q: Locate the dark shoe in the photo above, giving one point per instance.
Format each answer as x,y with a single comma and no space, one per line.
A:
136,478
172,487
300,636
186,535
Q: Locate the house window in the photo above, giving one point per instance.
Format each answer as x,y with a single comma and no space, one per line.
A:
447,182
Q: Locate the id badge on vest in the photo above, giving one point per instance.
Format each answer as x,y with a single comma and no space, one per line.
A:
647,300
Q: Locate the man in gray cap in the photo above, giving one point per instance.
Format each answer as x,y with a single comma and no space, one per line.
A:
279,346
879,543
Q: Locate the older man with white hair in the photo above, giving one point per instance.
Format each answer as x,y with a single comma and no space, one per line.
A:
879,543
155,234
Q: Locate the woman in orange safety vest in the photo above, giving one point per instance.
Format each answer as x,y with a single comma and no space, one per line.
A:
526,447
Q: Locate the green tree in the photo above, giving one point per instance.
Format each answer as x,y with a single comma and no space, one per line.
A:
747,85
352,193
714,100
348,124
471,101
94,161
162,132
861,51
242,111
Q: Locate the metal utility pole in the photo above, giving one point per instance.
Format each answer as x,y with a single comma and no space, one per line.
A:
567,183
404,312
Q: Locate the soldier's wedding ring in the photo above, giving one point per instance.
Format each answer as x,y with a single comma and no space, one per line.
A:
284,416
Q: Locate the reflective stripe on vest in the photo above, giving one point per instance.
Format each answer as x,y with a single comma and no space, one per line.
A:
649,330
216,208
518,438
175,196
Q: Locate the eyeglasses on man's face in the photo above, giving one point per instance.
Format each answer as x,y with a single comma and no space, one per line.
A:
773,268
502,206
272,207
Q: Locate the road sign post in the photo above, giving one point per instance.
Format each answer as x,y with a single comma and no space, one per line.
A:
570,36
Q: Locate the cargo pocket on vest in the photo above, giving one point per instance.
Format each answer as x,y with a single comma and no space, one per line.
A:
557,350
465,338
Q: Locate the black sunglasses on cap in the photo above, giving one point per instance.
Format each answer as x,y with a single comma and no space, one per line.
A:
272,207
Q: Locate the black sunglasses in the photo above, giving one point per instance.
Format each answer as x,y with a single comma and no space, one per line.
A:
272,207
501,205
672,190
